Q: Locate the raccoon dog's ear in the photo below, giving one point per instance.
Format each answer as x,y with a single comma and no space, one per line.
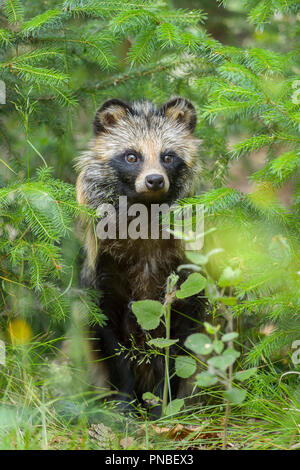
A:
180,110
109,114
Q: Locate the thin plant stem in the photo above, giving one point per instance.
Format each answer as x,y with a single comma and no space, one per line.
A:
227,412
229,383
167,357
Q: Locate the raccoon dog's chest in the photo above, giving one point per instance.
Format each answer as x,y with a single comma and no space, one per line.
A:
142,265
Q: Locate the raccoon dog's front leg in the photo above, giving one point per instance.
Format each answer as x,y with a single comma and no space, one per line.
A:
113,303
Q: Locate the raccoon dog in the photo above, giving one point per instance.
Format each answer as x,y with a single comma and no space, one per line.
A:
147,154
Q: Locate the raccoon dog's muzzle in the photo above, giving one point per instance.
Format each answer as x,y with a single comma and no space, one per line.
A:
152,182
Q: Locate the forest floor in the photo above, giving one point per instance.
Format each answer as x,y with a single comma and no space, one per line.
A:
32,417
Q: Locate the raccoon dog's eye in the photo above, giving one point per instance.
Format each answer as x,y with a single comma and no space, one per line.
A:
167,158
131,158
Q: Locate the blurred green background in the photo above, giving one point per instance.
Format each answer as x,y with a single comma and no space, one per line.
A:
238,62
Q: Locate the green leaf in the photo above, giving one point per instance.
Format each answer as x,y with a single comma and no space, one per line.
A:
229,336
148,313
199,343
150,396
220,362
229,301
196,258
230,352
225,360
185,366
235,396
205,379
212,330
229,277
174,406
194,284
218,346
162,342
245,374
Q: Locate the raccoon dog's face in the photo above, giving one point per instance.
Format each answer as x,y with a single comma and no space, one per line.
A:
150,150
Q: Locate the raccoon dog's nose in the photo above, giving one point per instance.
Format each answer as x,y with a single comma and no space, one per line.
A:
155,182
